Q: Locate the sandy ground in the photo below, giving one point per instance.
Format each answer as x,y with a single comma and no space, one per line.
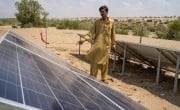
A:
138,83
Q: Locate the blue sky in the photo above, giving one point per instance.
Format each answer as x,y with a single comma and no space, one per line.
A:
89,8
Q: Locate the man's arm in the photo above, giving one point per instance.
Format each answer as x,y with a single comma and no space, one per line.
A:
90,35
113,42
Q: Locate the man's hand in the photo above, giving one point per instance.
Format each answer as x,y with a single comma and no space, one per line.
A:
80,42
113,48
80,35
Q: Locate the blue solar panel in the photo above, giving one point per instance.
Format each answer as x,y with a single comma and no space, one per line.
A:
33,77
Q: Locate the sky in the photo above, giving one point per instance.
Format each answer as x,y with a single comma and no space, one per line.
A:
89,8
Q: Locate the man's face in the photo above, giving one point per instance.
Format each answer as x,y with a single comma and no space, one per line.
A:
103,13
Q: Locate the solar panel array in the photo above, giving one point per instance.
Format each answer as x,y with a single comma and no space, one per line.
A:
149,54
154,56
34,77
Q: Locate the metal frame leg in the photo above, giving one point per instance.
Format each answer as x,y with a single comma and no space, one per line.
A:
79,46
114,63
176,75
158,70
124,60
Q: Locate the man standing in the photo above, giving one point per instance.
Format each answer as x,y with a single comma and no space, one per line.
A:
102,37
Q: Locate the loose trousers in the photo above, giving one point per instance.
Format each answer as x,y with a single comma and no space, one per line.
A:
104,70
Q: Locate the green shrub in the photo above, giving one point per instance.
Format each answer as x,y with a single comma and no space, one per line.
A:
85,25
73,24
8,21
60,26
177,36
173,30
122,31
151,28
29,25
161,34
139,30
161,31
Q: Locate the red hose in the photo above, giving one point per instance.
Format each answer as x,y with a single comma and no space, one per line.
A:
42,38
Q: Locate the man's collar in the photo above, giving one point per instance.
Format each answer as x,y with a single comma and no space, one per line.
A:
106,20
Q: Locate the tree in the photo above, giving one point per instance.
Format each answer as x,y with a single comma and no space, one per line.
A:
30,13
174,30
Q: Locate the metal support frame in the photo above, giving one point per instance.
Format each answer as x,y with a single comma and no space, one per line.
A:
166,56
158,69
138,56
79,46
124,59
141,35
114,63
176,75
46,33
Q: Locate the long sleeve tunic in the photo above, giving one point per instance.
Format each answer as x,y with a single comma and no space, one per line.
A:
102,37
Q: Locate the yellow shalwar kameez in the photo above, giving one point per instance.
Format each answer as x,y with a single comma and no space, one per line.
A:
102,37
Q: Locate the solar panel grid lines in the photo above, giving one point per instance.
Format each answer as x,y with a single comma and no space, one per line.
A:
81,92
40,56
73,95
80,86
43,50
4,36
71,71
8,83
16,105
121,108
21,85
90,78
49,86
35,86
45,58
6,67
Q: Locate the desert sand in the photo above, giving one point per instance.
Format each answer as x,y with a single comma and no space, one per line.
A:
138,84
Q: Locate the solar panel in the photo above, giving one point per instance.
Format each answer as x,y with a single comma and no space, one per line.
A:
34,77
149,54
165,58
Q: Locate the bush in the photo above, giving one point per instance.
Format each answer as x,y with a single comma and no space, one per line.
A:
85,25
161,31
151,28
173,30
161,34
122,31
139,30
73,24
177,36
8,21
29,25
68,24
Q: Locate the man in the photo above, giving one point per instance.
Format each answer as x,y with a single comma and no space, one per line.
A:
102,37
